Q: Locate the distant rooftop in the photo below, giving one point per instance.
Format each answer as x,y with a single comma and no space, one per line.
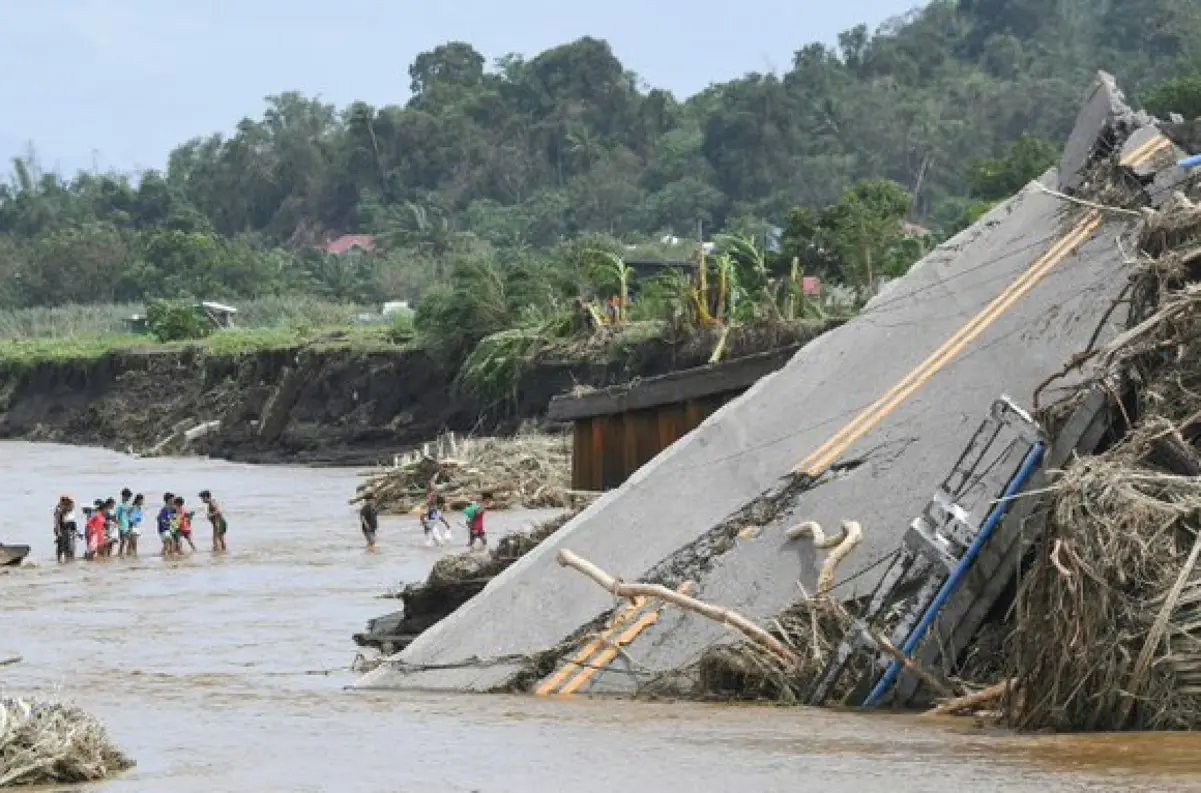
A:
350,242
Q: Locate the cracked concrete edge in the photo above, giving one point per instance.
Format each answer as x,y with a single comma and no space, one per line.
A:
1103,108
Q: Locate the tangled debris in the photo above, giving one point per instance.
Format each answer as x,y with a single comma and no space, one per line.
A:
1107,616
43,743
810,631
453,581
530,470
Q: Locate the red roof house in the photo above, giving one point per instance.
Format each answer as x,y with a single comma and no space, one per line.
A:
350,242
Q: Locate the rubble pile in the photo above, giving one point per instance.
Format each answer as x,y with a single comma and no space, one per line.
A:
47,743
530,470
1106,616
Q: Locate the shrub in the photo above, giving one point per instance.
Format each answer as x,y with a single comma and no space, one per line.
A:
172,321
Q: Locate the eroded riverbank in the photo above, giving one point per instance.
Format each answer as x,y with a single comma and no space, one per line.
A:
206,670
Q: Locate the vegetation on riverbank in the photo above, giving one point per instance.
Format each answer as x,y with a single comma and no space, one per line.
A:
518,166
86,332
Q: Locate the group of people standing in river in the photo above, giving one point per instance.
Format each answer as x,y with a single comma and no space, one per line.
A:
112,526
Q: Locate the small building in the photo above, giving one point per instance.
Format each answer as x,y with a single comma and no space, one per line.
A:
221,316
618,430
646,269
138,325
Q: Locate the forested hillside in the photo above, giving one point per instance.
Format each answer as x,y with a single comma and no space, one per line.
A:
509,162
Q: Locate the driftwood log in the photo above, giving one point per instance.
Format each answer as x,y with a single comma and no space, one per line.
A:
718,614
973,701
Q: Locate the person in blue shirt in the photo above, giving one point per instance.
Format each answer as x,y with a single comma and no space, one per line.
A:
133,520
166,516
121,515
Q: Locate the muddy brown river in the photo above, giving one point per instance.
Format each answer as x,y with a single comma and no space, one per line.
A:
229,673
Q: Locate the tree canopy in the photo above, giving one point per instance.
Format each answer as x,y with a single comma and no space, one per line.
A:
928,118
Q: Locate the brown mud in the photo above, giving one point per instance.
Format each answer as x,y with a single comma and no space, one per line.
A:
327,404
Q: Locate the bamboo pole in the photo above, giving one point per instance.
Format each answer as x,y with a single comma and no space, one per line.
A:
718,614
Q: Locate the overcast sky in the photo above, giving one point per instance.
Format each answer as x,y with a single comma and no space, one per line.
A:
119,83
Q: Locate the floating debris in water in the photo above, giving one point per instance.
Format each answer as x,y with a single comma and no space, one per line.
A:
43,743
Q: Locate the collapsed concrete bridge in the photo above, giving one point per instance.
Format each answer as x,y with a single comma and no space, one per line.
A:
862,423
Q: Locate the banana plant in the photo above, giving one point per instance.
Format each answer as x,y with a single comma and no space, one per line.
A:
610,268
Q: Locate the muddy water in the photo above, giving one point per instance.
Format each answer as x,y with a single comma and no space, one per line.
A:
219,673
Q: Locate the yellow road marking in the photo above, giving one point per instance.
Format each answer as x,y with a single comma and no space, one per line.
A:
816,462
819,459
583,669
1146,151
603,660
628,612
629,635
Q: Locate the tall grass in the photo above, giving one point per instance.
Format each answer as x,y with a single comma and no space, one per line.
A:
101,321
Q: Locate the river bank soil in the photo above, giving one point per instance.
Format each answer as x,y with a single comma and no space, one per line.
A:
328,403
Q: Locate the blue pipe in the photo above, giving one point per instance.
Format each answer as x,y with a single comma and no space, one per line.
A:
1033,458
1190,162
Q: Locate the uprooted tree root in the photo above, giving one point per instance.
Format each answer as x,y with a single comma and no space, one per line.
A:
48,743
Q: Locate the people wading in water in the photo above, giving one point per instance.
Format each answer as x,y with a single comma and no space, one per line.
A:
216,520
166,531
369,520
65,529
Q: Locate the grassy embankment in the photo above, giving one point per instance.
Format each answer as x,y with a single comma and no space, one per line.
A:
80,333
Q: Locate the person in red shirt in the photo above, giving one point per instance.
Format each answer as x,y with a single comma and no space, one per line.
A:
183,525
475,521
95,530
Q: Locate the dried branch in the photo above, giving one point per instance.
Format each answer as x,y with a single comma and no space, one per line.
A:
718,614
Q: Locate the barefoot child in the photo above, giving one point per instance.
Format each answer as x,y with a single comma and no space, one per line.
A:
216,520
369,520
475,521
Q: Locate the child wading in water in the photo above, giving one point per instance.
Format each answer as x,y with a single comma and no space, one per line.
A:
182,525
94,530
122,515
475,521
430,520
111,535
216,520
165,521
135,522
369,520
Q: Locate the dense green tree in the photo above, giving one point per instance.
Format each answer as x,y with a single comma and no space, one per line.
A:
1181,95
507,166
